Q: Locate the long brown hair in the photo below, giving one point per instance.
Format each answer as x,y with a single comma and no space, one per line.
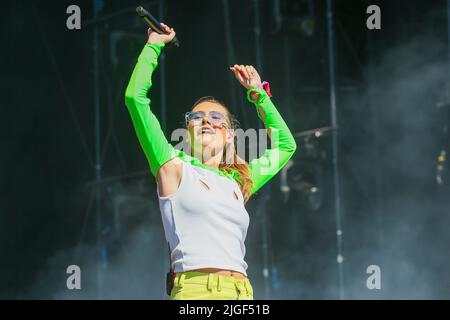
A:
236,164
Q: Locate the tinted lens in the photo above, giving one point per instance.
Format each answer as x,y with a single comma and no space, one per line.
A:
214,116
194,116
217,116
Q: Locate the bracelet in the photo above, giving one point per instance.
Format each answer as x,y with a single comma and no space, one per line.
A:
266,87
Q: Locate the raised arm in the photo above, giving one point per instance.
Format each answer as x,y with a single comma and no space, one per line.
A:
155,145
282,142
273,160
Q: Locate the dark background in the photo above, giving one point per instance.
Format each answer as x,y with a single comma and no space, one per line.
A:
389,84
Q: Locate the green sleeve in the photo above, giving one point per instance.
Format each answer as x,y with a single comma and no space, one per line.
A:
283,143
148,130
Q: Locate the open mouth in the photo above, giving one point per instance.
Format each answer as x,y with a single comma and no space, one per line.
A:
206,131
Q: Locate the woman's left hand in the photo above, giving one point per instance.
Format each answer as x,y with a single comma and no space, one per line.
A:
247,76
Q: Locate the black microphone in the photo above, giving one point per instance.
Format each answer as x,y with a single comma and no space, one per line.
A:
155,25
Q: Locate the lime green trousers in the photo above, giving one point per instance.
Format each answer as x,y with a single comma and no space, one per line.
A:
192,285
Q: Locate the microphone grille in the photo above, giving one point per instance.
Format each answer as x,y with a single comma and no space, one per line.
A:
140,11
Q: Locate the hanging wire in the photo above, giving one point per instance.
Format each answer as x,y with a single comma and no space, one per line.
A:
334,124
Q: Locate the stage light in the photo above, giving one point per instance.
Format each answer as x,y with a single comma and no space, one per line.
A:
309,194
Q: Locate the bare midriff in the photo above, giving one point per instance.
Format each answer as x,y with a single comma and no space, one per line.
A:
222,272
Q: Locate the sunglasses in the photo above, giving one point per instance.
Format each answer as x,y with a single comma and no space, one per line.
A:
214,117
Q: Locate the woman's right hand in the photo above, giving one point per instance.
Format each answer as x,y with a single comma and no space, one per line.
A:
154,37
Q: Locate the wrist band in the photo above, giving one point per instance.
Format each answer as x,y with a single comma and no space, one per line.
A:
266,87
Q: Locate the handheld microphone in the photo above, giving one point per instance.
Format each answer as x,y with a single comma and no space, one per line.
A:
154,24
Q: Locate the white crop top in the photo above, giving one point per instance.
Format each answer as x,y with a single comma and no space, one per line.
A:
205,221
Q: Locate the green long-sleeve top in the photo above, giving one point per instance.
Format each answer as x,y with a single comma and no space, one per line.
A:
158,150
